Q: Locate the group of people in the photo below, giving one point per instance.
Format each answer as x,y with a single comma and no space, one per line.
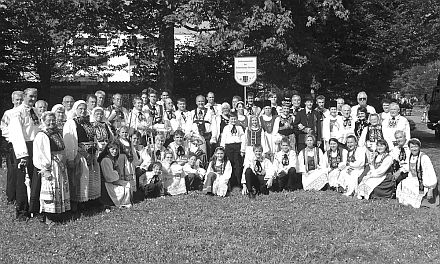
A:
82,151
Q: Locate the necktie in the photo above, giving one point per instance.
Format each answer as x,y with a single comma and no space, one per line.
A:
234,130
180,151
346,122
258,168
140,116
183,116
157,155
34,116
392,122
200,114
285,160
402,154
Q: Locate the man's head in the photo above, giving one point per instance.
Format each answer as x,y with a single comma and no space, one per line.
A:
17,98
30,96
400,137
346,111
340,102
137,103
68,102
362,99
100,98
117,100
386,105
181,104
41,107
210,97
152,97
308,101
235,100
250,97
394,109
91,101
296,101
200,101
320,101
164,95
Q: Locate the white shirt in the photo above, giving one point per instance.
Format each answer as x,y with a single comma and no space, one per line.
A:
6,120
25,129
390,126
229,138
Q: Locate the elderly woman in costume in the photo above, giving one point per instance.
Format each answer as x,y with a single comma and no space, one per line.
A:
334,159
50,161
103,130
311,165
84,173
420,187
353,168
115,187
378,182
60,115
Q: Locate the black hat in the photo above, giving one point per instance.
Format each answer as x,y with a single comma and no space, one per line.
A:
308,97
333,104
266,103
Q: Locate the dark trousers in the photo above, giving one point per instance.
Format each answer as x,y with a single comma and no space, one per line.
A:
193,182
153,190
11,177
255,183
288,181
22,204
232,151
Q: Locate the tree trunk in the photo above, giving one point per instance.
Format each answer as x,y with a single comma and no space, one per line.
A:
45,73
165,65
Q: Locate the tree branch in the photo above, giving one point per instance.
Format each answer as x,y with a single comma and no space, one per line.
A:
197,29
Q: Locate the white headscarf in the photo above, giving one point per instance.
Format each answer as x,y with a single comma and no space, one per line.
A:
75,106
57,107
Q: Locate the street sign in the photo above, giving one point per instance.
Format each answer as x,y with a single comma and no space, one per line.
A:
245,70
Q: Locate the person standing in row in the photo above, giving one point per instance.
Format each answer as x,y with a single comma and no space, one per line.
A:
307,122
25,124
11,161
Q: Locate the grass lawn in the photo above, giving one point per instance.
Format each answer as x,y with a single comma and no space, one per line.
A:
296,227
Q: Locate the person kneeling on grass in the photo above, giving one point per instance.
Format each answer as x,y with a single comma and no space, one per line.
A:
151,181
419,188
285,163
115,189
173,176
311,160
379,182
218,174
258,174
194,173
353,168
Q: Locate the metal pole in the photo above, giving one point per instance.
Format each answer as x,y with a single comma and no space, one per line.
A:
245,98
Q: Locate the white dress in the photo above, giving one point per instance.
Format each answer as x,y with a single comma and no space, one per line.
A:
55,192
333,164
311,165
375,176
407,192
220,185
355,161
173,179
119,194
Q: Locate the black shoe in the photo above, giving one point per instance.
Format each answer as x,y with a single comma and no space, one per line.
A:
251,195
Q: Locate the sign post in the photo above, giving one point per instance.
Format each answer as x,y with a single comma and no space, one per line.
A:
245,72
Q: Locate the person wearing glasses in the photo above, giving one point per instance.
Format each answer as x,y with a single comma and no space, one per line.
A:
362,102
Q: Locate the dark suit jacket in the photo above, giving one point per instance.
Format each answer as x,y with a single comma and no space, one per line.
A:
312,121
